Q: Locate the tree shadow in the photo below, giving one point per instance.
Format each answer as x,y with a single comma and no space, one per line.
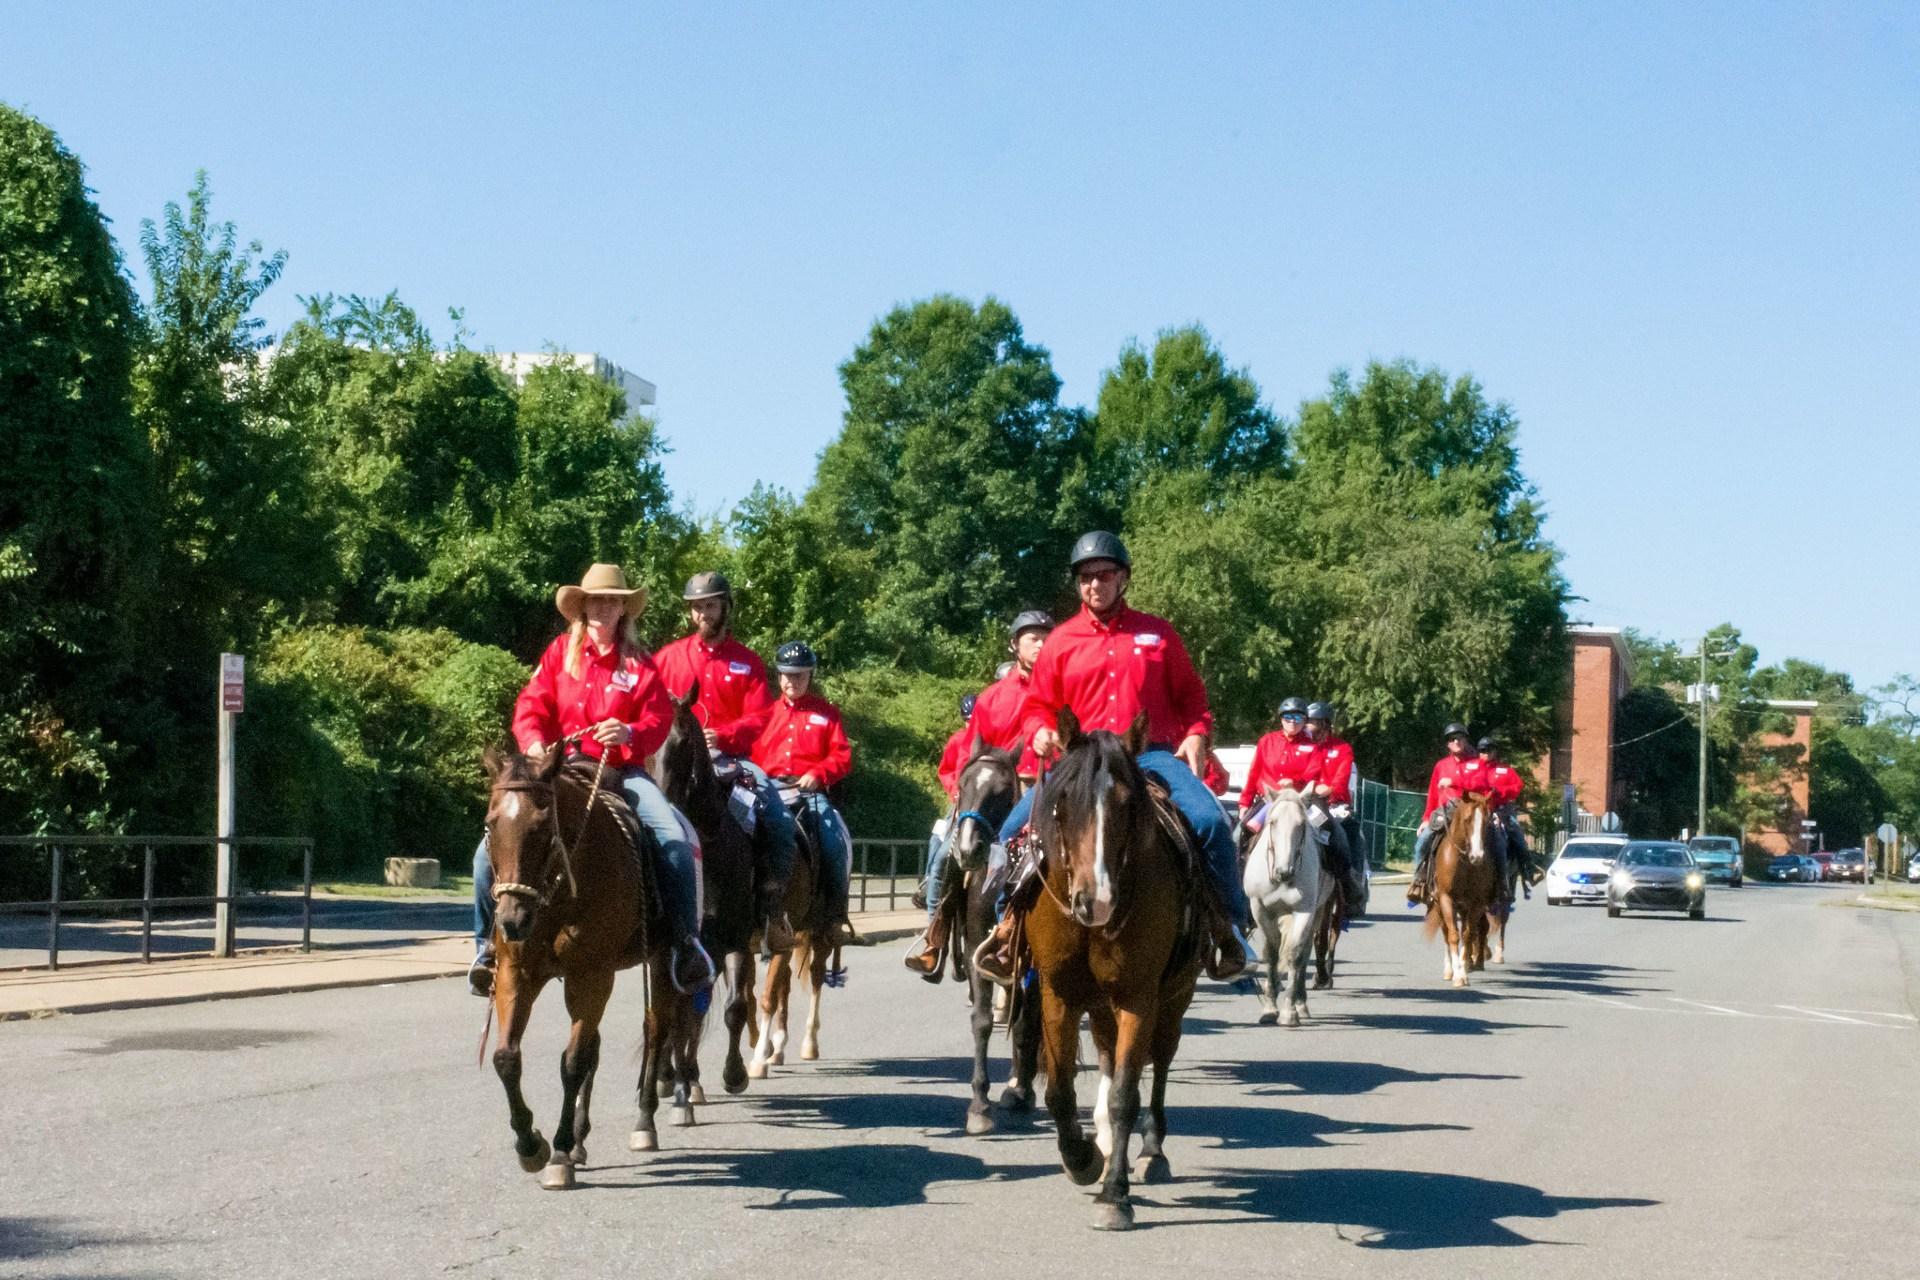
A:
1400,1209
867,1176
1323,1078
26,1238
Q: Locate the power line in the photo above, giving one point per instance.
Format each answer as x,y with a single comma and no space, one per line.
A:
1679,720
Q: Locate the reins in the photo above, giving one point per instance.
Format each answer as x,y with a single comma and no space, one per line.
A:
506,887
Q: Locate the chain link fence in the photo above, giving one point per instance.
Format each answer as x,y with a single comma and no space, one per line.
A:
1388,819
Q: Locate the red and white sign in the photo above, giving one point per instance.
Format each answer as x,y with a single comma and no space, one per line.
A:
233,682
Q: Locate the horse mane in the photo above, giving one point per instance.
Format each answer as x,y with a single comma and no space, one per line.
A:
684,766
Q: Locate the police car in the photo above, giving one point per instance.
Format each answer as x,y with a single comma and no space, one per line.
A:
1581,871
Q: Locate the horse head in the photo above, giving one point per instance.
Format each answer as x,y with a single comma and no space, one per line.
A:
988,788
1285,832
1467,828
683,764
523,837
1097,808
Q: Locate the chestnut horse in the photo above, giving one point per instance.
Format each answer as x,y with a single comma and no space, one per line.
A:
574,902
1464,888
988,787
686,774
1113,936
807,913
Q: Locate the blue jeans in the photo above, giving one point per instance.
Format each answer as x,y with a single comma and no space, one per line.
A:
937,847
776,824
836,859
1202,812
678,873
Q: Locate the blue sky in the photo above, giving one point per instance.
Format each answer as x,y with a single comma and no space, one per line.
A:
1680,240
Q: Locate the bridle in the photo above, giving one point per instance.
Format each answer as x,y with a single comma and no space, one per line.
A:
1112,928
543,898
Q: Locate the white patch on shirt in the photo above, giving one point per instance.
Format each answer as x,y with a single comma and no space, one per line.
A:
739,668
1147,639
624,679
814,717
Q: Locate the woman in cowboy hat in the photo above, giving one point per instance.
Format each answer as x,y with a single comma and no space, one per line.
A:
597,680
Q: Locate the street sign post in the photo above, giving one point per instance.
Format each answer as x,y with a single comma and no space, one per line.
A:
233,700
1889,849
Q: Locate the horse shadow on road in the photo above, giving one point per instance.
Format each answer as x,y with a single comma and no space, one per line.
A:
933,1112
1396,1209
1429,1024
23,1239
1288,1077
1276,1128
866,1176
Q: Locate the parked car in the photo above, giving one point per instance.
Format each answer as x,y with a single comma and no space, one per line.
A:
1786,867
1848,864
1810,869
1657,875
1913,869
1718,858
1820,860
1579,872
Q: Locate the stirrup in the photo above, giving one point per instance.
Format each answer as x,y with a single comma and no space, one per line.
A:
1229,961
480,976
925,958
991,962
677,954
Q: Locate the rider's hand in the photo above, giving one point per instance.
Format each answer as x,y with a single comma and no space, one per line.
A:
1045,744
1194,752
713,740
536,751
611,733
808,782
1322,790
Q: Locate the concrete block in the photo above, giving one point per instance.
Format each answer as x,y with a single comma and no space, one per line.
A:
414,873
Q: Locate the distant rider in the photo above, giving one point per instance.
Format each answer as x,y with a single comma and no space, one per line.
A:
1334,786
1456,774
805,743
1505,783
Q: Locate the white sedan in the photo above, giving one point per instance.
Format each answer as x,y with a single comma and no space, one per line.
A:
1580,872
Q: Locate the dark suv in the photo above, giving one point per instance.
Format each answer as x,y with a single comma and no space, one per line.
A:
1848,864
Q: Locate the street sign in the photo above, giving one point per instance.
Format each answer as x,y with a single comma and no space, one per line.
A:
233,682
1887,832
1610,821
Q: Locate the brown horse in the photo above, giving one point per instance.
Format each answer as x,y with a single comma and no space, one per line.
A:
1463,888
685,770
808,915
574,902
1114,936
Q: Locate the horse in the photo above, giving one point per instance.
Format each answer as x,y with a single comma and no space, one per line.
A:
1326,937
574,902
807,913
1463,888
989,785
685,770
1114,936
1291,893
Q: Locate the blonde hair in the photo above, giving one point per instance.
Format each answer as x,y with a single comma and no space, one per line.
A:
626,641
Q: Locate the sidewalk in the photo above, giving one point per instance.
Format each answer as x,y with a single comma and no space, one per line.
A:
98,988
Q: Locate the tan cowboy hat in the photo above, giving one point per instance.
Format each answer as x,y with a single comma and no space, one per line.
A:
600,580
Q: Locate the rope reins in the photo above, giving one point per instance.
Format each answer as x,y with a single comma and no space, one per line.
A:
505,888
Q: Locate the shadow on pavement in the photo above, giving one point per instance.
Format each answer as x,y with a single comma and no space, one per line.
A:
870,1176
1271,1128
1273,1076
25,1238
192,1040
1397,1209
1430,1024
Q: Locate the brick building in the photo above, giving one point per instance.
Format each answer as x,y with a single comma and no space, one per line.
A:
1790,752
1582,755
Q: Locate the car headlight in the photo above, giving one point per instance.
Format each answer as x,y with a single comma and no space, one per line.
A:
1695,879
1622,880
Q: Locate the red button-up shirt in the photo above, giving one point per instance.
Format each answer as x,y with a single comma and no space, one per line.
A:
999,717
1278,759
1336,769
1108,672
735,699
611,686
954,758
805,736
1468,775
1505,782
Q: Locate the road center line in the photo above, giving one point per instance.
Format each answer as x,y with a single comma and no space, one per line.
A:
1717,1008
1830,1017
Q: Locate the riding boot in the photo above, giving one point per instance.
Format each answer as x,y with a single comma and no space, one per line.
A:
1230,954
994,958
779,930
480,974
690,968
929,949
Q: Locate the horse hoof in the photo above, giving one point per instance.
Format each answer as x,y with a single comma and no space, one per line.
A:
779,1059
1269,1016
1154,1171
1321,984
681,1117
558,1176
1292,1019
1113,1217
1014,1098
643,1140
536,1160
809,1053
579,1156
734,1078
697,1096
756,1071
1091,1164
979,1122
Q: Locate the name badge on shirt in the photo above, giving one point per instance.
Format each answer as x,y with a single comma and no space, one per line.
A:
1304,749
1147,639
814,717
739,669
625,679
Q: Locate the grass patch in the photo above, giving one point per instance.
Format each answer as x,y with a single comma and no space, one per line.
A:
1895,891
450,887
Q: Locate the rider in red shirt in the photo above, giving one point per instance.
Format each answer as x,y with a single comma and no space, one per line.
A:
733,707
1335,787
1109,663
805,743
1286,755
953,757
1456,774
1506,785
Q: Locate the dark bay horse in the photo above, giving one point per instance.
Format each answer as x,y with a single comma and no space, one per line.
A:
1464,888
684,768
573,902
1112,936
807,913
989,786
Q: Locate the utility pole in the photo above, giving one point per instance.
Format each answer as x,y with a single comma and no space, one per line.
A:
1701,828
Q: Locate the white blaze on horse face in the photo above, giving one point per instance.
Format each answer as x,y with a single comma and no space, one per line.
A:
1477,845
1102,883
510,806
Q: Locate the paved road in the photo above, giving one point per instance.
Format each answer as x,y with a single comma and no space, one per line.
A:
1643,1096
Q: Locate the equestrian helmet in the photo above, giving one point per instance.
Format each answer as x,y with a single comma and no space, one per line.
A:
1031,620
795,656
966,706
1099,545
1486,744
1293,706
1321,711
1455,729
707,586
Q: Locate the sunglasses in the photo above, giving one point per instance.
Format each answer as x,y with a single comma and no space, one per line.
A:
1294,716
1101,576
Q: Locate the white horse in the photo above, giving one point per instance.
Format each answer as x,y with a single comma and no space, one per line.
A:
1289,893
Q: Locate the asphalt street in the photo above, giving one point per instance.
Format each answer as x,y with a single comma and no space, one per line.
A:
1648,1095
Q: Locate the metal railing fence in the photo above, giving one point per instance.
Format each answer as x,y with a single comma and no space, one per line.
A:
58,905
886,872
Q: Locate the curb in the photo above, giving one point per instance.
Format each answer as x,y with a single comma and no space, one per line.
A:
1877,904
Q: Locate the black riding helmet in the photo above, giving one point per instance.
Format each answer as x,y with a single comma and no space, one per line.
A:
1099,545
1455,729
795,656
966,706
1321,711
1486,744
1031,620
707,586
1293,706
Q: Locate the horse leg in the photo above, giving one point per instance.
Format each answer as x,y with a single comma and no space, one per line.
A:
1297,934
980,1110
1325,935
1060,1047
645,1136
587,994
1105,1036
1153,1142
513,996
816,983
1114,1204
772,1023
1023,1036
739,966
1270,927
